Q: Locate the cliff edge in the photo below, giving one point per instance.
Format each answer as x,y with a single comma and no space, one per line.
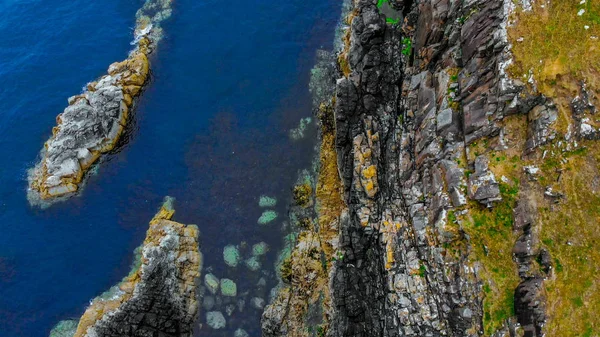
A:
462,152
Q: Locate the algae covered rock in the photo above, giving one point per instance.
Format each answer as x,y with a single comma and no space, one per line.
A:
267,217
228,287
259,249
299,132
231,255
266,201
252,263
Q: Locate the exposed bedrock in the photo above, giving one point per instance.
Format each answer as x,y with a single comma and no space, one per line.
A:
413,100
159,297
94,120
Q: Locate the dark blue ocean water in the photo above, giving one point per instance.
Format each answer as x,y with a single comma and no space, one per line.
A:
230,79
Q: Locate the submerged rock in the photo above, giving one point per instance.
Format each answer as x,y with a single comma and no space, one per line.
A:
228,287
240,333
215,320
258,303
299,132
94,121
231,255
161,295
212,283
266,201
259,249
267,217
252,263
65,328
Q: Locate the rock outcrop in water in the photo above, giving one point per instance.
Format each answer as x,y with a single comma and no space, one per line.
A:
159,297
437,151
95,120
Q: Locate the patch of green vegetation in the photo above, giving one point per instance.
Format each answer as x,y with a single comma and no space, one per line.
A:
392,21
451,217
338,256
422,270
558,266
492,240
577,301
406,46
589,331
569,232
548,242
321,331
578,152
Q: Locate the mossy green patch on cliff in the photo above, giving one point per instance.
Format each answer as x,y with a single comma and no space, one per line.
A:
406,46
492,240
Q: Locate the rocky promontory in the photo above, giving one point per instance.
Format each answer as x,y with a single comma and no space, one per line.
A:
159,297
93,122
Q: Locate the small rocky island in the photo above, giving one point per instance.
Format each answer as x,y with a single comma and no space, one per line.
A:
159,297
95,120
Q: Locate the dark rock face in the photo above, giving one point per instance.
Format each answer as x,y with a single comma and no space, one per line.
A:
483,186
539,132
530,306
398,138
408,111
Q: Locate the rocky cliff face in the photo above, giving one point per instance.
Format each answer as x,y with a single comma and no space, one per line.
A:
437,151
94,121
159,297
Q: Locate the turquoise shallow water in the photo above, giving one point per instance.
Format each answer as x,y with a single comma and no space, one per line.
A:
229,81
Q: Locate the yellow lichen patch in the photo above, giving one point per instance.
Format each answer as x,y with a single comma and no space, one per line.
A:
329,185
370,172
343,55
308,267
389,229
164,213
